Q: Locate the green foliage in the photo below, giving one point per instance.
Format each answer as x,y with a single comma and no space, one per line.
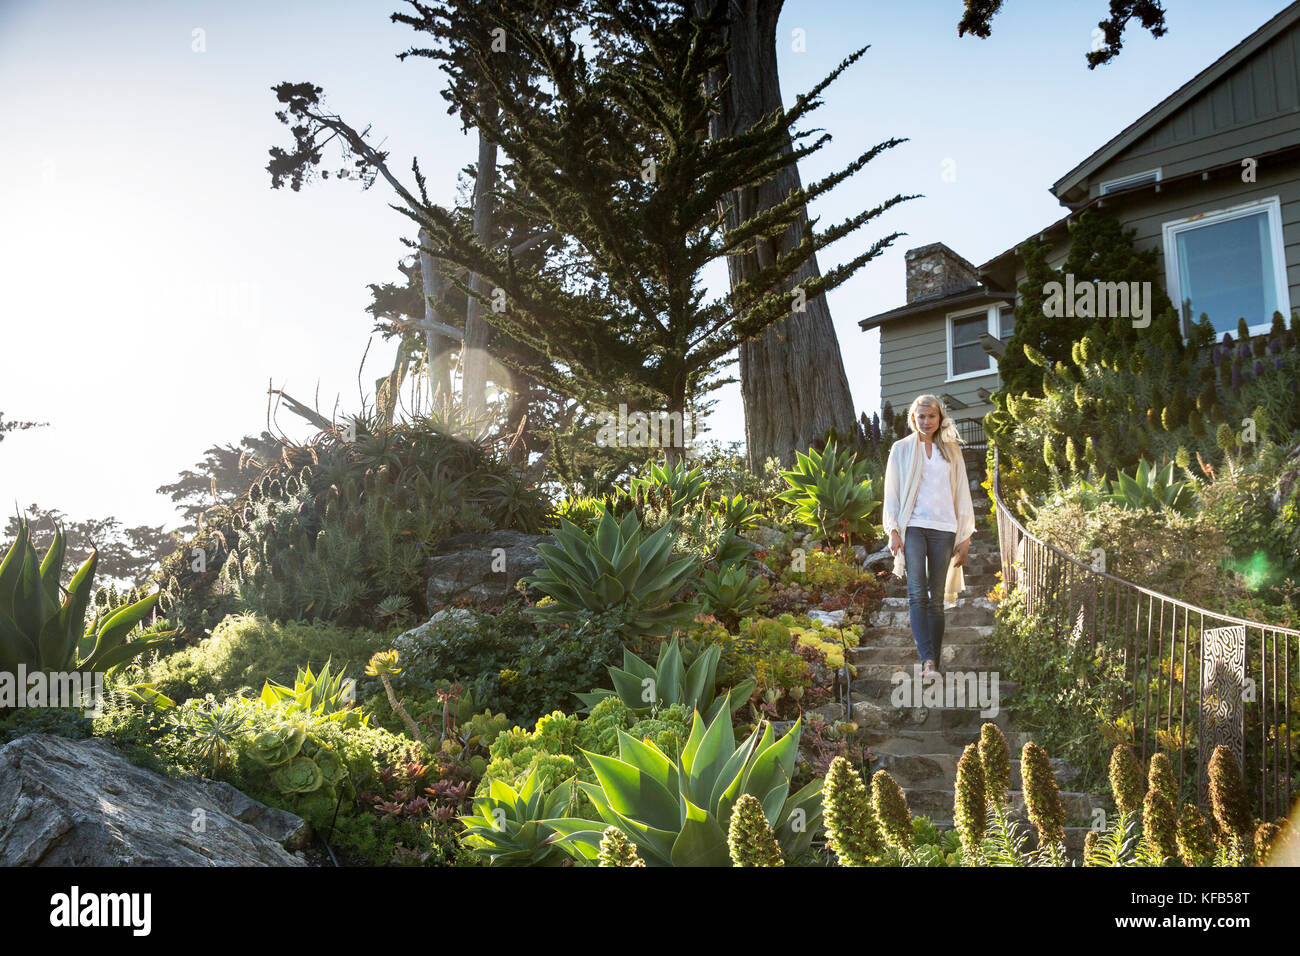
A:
510,827
613,569
674,487
678,812
995,761
969,803
506,662
245,650
833,492
1125,779
644,688
732,593
1228,798
1195,844
44,628
322,694
890,807
1151,490
1117,847
1160,827
750,840
1042,797
852,831
330,529
737,512
617,850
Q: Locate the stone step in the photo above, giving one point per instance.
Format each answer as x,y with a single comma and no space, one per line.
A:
900,741
934,803
879,691
873,716
952,656
902,637
963,615
914,770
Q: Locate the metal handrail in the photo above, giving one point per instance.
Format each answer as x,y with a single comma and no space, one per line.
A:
1044,572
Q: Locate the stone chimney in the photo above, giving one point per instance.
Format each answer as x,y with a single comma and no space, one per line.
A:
936,270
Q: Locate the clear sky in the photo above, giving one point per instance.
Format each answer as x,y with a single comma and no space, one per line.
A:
152,283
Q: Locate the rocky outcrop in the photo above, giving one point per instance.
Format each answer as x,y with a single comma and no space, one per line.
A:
81,803
481,567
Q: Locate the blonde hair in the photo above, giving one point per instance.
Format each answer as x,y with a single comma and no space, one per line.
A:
935,402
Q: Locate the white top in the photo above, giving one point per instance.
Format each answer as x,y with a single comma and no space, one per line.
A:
933,508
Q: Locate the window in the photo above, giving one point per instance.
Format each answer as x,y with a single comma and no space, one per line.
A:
1128,182
1006,322
1228,264
966,356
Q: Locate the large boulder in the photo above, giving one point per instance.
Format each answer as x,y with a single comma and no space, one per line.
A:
81,803
470,566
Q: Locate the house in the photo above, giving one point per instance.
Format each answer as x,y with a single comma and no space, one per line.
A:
1210,178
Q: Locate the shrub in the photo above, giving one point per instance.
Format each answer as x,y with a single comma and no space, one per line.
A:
245,650
507,662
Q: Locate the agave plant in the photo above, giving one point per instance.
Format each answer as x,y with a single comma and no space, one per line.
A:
732,591
614,568
324,694
737,513
678,813
832,491
44,628
511,828
1151,489
211,730
644,688
684,487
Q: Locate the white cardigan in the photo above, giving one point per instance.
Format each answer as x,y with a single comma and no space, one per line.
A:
903,480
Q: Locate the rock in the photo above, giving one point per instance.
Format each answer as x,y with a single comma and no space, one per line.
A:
408,643
767,539
859,553
871,716
881,557
461,566
833,618
831,713
81,803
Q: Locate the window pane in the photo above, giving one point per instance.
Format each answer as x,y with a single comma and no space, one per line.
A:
969,358
1226,269
968,330
1008,320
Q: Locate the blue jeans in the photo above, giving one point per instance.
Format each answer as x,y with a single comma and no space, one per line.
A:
925,585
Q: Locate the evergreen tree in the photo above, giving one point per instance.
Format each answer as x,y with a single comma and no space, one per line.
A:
620,163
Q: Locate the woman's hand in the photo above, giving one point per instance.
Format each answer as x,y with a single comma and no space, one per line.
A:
895,542
959,554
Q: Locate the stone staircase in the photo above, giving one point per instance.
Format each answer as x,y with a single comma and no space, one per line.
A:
920,746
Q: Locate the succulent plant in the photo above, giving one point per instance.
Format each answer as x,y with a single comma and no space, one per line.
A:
43,628
969,802
750,839
644,688
1125,779
852,832
617,850
613,568
832,491
1042,796
511,827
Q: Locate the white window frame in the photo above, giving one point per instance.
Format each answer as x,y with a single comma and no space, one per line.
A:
991,312
1114,185
1272,205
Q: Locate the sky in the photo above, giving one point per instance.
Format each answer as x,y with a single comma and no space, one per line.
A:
152,283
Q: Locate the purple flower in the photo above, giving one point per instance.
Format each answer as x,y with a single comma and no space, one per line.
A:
1277,364
1216,356
1245,350
1259,368
1274,346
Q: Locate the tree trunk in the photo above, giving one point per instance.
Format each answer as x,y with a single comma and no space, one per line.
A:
437,346
792,376
477,329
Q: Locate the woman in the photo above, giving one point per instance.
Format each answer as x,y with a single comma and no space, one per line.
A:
929,518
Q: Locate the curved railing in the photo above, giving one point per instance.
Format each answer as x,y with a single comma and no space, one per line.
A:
1230,676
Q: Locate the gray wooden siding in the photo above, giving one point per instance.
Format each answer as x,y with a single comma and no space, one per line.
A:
913,362
1252,110
1147,212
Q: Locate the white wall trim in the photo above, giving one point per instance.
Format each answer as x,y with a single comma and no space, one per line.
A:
991,312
